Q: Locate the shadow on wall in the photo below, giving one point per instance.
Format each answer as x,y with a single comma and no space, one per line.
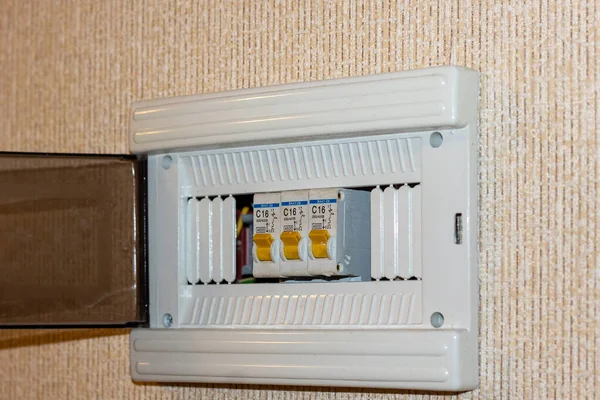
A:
354,392
11,338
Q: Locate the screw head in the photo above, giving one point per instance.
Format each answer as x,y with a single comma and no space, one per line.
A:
437,319
167,320
167,161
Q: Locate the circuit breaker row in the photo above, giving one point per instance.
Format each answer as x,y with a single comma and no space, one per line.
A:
310,233
324,233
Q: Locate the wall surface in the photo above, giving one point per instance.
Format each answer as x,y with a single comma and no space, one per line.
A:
69,71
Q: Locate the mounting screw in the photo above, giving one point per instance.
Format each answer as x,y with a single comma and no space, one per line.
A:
166,162
436,139
437,319
167,320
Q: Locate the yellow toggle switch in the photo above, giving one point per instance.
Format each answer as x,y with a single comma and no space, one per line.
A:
291,240
319,240
263,241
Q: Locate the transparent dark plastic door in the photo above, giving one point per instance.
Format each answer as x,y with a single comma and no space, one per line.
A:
72,240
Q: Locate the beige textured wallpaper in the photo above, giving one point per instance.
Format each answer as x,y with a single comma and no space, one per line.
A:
69,71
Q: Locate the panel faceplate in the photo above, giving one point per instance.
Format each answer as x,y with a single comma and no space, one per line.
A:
408,138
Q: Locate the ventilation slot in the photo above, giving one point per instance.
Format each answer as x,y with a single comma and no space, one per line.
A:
210,240
340,162
396,232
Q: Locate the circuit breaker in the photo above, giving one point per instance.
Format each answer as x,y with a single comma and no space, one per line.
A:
267,231
339,233
319,233
294,234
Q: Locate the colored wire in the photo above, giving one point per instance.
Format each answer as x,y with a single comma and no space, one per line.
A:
240,223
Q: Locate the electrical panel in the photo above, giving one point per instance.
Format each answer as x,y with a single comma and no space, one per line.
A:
320,233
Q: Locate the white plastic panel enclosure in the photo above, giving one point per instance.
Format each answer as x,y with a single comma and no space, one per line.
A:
410,138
